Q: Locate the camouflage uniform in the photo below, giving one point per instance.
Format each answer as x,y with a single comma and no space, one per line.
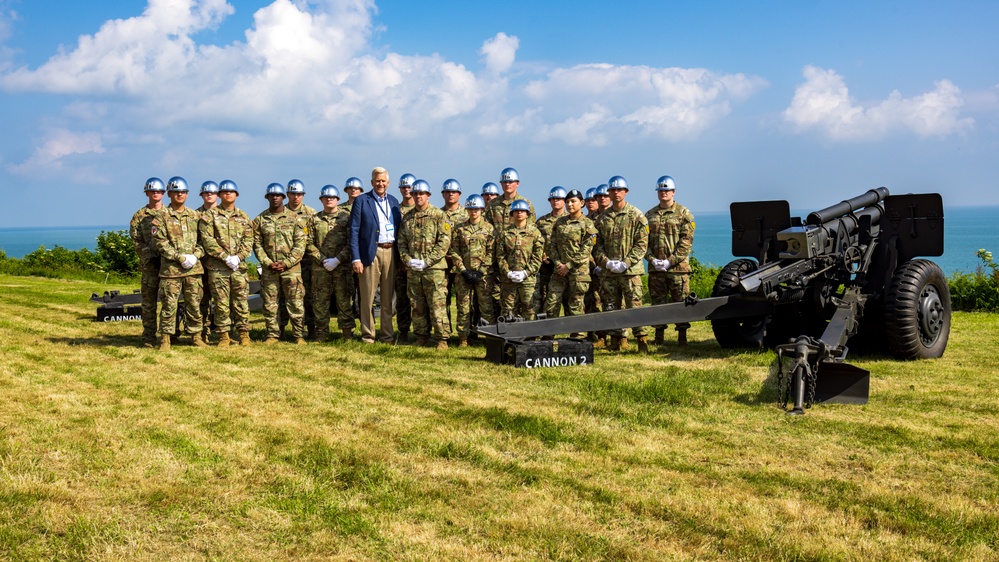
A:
207,313
455,217
140,228
497,211
403,308
571,244
176,233
592,301
305,214
354,308
329,237
223,234
671,237
426,235
472,250
622,235
545,225
280,237
518,249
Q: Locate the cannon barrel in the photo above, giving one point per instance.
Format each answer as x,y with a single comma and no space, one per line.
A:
872,197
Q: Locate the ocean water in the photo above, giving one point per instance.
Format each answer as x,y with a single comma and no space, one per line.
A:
966,229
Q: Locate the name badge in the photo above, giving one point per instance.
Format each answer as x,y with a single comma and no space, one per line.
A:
388,228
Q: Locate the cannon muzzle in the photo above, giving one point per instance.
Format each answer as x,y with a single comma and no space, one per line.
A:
872,197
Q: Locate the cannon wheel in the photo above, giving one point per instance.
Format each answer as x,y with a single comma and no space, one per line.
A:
747,332
917,311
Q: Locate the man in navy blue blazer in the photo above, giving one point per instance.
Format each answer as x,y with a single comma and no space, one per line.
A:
374,222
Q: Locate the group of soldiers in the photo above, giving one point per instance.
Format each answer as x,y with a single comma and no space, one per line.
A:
489,253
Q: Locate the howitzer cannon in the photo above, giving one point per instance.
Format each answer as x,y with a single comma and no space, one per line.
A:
847,271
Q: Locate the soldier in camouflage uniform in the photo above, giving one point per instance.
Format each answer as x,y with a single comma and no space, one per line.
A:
296,195
424,239
497,213
519,248
498,210
603,197
328,245
622,241
279,243
455,214
490,191
175,233
403,308
556,198
353,187
227,238
570,247
472,255
140,229
671,238
210,197
591,301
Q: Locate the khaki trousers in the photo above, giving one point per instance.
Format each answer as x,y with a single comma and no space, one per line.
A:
381,273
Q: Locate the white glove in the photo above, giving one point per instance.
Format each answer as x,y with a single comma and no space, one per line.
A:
512,276
666,264
189,261
521,276
617,266
232,262
416,265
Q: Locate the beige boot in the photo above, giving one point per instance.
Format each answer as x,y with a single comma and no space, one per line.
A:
442,345
643,344
198,341
623,344
244,338
463,341
165,342
299,341
224,339
271,340
681,338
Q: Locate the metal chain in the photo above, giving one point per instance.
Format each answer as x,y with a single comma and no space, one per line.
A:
812,377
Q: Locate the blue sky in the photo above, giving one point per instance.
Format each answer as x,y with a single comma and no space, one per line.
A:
806,101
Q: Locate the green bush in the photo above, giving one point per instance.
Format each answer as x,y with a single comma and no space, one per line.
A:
116,252
702,280
62,263
978,290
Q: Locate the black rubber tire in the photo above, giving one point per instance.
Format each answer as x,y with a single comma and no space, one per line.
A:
733,333
917,311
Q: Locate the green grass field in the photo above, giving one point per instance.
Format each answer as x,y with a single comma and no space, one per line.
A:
109,451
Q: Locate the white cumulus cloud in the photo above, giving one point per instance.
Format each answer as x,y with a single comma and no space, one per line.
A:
499,52
60,145
305,78
666,103
823,103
